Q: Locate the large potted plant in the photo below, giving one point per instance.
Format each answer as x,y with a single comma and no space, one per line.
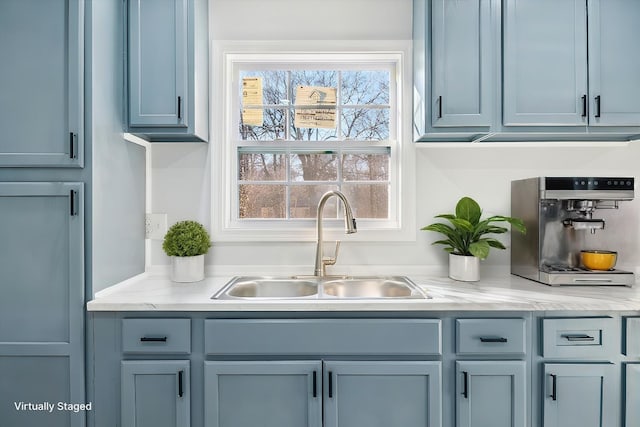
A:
186,242
466,237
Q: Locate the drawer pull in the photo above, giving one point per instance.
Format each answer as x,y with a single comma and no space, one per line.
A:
153,339
465,384
554,390
180,391
493,339
578,337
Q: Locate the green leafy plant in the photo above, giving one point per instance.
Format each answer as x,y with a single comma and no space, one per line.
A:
186,238
465,231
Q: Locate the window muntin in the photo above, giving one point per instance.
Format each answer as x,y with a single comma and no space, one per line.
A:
283,170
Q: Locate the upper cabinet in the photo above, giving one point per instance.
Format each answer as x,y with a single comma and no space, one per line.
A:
526,70
41,107
168,73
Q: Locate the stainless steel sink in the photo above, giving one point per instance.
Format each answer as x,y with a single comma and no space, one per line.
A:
312,287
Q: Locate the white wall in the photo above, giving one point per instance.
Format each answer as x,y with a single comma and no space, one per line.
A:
181,172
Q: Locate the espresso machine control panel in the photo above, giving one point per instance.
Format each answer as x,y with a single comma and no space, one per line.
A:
566,216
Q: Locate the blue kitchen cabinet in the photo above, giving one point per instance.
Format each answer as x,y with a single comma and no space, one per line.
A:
580,394
155,393
545,63
491,393
614,63
42,304
264,393
167,69
632,394
382,394
456,53
42,74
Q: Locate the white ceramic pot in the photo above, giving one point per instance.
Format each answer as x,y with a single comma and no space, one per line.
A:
187,268
464,268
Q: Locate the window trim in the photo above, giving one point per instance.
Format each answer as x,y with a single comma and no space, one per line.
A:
224,227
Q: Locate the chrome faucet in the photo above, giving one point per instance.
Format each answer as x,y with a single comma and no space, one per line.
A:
349,225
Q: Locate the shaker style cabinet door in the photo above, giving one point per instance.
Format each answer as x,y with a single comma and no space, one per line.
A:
41,107
582,395
41,307
491,393
265,394
614,62
382,394
155,393
463,63
544,85
632,395
158,63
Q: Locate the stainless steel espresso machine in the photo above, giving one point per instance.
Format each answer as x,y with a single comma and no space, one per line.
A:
565,215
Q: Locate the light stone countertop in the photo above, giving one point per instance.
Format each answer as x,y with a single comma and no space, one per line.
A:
500,292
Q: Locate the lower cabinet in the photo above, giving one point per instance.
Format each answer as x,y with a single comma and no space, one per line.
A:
632,397
580,394
304,393
155,393
491,393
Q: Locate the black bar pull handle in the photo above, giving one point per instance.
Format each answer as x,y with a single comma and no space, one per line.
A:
153,339
554,390
180,390
578,337
465,384
315,384
584,105
72,203
493,339
179,108
440,107
330,384
72,145
597,106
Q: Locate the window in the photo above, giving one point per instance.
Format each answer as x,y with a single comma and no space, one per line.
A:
300,124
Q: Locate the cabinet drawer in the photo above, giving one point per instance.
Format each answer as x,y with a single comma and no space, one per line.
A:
579,337
632,328
490,336
156,336
323,337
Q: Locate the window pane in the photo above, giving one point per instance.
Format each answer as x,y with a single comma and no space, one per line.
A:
274,86
273,126
262,201
365,124
305,198
320,78
262,167
365,87
365,167
314,167
311,134
368,200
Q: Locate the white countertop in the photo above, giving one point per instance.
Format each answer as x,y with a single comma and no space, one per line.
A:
502,292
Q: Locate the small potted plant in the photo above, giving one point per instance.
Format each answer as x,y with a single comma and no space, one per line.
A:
465,238
186,242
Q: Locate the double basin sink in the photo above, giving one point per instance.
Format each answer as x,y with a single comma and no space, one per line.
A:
312,287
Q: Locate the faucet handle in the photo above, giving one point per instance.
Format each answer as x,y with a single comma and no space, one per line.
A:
332,260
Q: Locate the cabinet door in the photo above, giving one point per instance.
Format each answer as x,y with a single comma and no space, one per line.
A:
155,393
545,62
463,63
632,395
41,71
491,394
382,394
157,63
614,62
265,394
41,308
582,395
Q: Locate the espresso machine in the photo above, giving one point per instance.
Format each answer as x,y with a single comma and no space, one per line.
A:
563,216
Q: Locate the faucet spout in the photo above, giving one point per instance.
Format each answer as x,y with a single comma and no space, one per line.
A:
349,225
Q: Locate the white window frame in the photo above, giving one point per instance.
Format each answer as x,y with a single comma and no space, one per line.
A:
224,119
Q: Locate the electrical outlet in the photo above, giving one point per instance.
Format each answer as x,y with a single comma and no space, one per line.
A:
155,226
